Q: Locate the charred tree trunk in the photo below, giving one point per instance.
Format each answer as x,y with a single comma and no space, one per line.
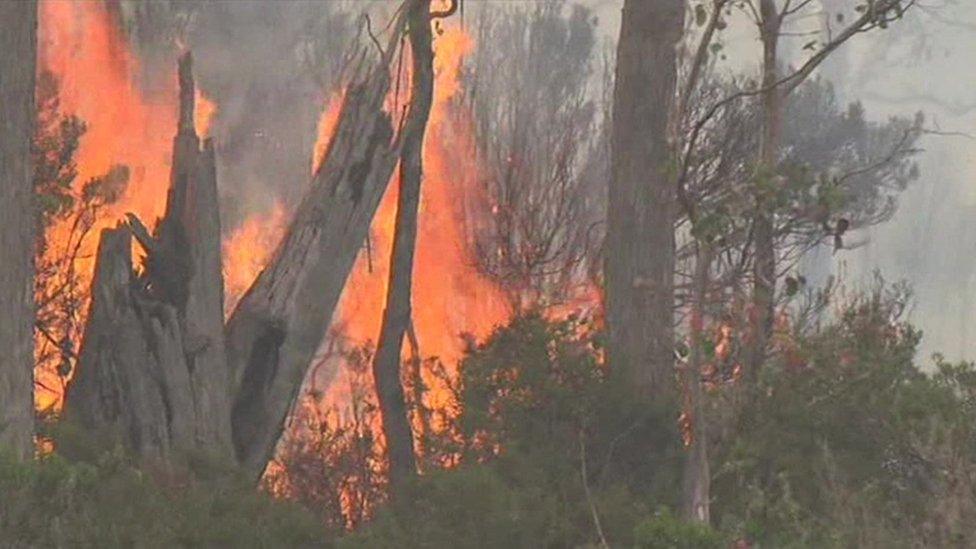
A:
152,369
18,53
642,199
280,322
397,314
697,478
764,266
157,368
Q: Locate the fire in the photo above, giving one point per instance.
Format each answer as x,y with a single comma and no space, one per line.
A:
204,111
451,297
247,250
326,127
127,125
80,44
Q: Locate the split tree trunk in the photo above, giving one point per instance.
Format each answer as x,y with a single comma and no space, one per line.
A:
397,314
280,322
640,244
18,53
152,368
157,369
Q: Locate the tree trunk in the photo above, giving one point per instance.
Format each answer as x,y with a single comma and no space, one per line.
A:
642,199
764,266
280,322
152,367
397,314
697,478
157,369
18,54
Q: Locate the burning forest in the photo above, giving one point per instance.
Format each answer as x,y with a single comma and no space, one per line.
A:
425,273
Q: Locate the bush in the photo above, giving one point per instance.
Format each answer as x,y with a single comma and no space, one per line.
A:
664,531
55,503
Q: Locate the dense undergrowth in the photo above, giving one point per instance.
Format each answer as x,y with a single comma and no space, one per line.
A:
846,442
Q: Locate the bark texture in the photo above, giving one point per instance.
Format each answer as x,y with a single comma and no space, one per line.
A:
639,244
697,478
397,314
280,322
18,53
158,368
152,368
764,265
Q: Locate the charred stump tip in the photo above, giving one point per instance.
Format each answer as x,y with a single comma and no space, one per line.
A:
187,91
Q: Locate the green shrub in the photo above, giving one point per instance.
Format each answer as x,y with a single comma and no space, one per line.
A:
664,531
55,503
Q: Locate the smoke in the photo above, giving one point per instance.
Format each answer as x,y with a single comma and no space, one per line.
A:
270,68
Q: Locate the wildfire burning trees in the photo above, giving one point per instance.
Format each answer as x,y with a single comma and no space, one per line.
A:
281,280
449,229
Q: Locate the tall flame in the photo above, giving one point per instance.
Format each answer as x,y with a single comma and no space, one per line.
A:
451,297
80,44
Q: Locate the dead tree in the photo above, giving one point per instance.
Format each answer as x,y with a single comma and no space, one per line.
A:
152,366
157,368
18,52
397,314
280,321
639,246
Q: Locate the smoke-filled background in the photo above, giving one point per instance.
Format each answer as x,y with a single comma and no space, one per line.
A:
923,63
272,66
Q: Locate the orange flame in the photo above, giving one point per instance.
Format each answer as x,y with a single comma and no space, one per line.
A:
326,128
451,297
79,43
247,250
204,111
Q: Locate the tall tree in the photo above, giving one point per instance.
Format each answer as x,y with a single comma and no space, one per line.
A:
774,92
639,244
397,314
18,54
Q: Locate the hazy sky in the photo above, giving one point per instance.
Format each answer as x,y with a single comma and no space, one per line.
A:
925,63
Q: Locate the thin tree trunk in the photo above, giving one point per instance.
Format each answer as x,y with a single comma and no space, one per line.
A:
764,266
18,53
642,206
396,316
697,478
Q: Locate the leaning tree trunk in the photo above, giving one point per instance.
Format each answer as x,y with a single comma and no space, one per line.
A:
640,245
18,53
280,322
152,368
397,314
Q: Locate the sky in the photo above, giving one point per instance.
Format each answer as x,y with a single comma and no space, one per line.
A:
924,63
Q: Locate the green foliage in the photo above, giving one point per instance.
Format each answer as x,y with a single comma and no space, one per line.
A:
469,507
848,443
664,531
537,417
56,140
56,503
